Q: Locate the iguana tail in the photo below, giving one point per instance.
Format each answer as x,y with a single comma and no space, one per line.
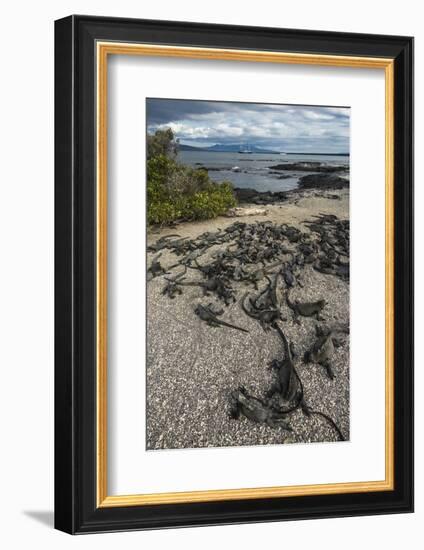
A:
243,305
284,339
178,276
330,421
231,326
289,302
273,290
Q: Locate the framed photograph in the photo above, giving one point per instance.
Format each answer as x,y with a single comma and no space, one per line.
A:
233,268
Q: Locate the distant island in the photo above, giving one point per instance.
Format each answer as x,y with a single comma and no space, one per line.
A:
226,148
235,148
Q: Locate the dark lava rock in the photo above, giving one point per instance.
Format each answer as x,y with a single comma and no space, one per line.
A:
308,167
258,197
211,168
280,176
323,181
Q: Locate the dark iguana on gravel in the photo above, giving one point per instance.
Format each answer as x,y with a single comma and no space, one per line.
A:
300,394
259,274
207,314
287,383
217,285
272,290
172,286
171,289
288,275
266,317
321,353
155,268
322,350
306,309
256,410
161,243
267,298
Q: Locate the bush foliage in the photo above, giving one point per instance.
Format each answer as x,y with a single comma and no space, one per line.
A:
176,191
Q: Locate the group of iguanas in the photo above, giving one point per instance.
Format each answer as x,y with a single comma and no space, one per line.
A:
250,254
260,246
288,387
286,394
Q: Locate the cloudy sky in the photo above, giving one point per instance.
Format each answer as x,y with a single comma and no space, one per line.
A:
296,128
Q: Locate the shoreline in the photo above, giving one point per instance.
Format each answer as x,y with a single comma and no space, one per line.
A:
292,206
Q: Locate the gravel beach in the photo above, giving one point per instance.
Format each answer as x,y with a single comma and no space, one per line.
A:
192,368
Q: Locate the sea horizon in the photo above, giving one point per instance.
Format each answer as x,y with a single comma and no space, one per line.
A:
254,170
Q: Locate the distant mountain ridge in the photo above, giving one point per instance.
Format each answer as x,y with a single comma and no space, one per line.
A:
235,148
223,148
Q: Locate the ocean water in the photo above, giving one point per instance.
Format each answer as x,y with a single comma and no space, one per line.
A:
255,173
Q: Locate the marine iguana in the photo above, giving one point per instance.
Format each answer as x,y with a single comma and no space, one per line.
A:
287,383
322,350
155,268
257,410
292,233
216,280
191,256
209,285
220,286
210,270
333,244
256,276
172,286
343,271
324,267
161,243
307,410
288,276
321,353
267,298
297,385
171,289
272,290
206,314
266,317
306,309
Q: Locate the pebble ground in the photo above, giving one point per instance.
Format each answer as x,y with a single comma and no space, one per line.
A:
192,367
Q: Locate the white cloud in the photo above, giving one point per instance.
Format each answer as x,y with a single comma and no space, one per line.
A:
317,115
272,125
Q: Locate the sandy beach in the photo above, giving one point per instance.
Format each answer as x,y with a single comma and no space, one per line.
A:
192,367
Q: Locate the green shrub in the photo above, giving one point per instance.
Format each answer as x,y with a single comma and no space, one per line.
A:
213,201
175,191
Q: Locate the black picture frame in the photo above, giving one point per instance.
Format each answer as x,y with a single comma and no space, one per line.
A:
76,509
